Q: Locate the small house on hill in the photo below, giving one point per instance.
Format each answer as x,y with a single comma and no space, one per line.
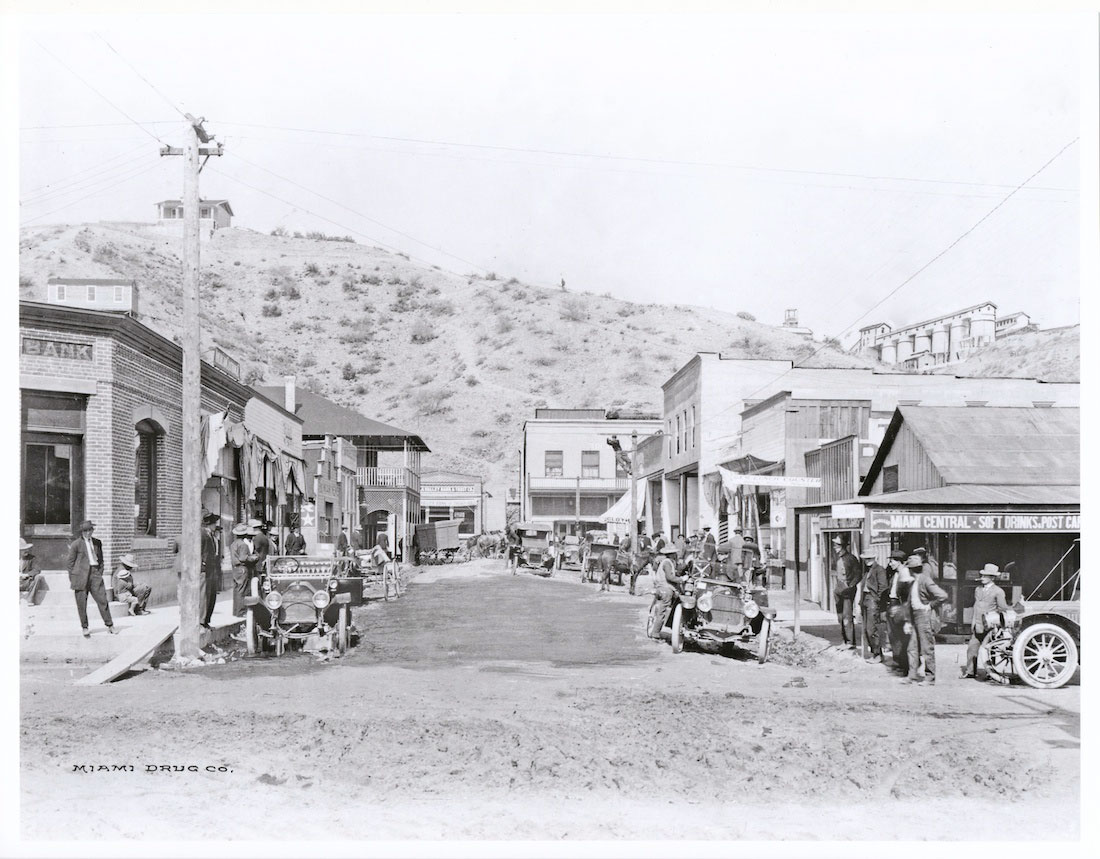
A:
216,213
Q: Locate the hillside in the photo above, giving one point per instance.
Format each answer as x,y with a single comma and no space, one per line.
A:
463,360
1053,356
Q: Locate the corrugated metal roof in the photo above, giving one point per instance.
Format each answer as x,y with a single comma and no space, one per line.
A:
979,494
1010,446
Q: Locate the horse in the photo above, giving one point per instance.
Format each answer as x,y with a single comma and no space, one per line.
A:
621,564
487,544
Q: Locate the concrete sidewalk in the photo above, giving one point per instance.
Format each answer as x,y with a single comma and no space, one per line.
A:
809,614
50,632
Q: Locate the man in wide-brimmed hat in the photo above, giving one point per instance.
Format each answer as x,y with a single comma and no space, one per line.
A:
211,568
873,590
128,591
85,565
260,541
987,597
668,590
31,580
925,599
848,572
897,609
245,560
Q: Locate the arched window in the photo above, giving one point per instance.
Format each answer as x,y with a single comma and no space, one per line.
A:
147,456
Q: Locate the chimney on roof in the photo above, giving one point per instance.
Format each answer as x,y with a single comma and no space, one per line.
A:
288,395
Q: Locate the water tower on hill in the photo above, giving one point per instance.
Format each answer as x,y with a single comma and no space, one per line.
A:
790,323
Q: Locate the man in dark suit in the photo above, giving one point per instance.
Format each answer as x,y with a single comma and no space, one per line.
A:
261,543
85,566
211,569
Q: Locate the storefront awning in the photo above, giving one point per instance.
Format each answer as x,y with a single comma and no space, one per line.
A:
619,512
970,494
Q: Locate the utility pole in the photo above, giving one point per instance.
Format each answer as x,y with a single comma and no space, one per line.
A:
188,636
633,501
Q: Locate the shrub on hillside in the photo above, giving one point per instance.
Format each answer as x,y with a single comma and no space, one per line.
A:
312,269
360,389
357,336
491,276
573,310
271,310
422,332
290,291
271,295
625,311
544,361
440,308
308,361
25,281
279,231
349,286
833,343
431,401
504,325
472,381
744,314
395,280
348,373
370,279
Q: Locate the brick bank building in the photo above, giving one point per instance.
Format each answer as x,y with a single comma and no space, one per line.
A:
101,439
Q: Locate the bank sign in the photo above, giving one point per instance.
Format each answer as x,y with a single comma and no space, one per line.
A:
897,520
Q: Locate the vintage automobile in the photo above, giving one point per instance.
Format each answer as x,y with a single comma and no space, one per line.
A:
301,598
535,547
1038,641
719,611
570,553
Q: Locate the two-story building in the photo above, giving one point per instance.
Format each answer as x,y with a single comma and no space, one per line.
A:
102,438
571,475
387,463
332,493
446,495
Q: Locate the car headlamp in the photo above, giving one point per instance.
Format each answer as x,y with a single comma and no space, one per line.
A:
333,584
273,600
320,598
706,601
266,585
751,609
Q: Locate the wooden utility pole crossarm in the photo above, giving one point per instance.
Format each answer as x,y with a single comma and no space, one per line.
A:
187,642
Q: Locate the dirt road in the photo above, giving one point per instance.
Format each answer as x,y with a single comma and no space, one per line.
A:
482,705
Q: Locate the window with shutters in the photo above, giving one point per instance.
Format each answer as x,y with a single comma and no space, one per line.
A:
590,463
553,464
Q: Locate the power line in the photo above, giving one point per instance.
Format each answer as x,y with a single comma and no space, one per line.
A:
71,178
644,160
97,92
640,172
61,189
140,75
93,194
96,125
360,214
910,279
118,170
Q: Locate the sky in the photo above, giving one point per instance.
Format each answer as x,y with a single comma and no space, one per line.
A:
855,167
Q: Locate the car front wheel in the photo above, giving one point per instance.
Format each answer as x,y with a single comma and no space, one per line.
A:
1044,656
764,641
678,629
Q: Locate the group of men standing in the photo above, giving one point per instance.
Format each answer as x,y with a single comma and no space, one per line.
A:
900,606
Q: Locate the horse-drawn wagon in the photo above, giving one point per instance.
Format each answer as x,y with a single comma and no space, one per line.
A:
438,541
599,544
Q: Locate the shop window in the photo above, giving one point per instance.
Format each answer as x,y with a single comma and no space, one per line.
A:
48,484
890,478
553,463
590,463
553,505
147,440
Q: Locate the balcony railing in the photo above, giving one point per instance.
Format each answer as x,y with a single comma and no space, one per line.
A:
570,484
388,477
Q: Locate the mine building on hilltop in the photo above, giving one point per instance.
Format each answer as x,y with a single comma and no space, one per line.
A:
943,340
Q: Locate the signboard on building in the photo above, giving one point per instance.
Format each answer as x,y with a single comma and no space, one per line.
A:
731,479
848,511
57,349
900,520
449,489
778,509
